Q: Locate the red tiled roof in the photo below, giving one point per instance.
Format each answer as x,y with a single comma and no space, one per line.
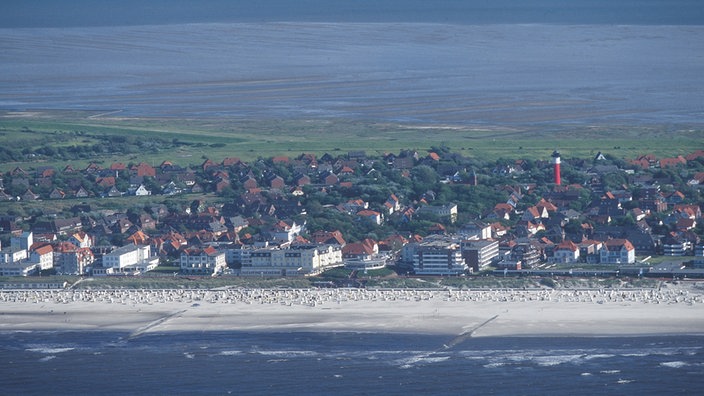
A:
567,245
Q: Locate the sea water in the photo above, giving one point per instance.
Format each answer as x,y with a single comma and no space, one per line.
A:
417,69
346,363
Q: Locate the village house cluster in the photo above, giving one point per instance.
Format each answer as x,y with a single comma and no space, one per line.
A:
437,213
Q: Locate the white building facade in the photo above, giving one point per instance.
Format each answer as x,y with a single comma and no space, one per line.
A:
617,251
206,261
298,260
439,256
129,259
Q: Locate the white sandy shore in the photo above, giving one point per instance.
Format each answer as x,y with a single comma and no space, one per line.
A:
469,313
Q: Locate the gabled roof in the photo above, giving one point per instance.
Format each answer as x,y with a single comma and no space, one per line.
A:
567,245
80,236
365,247
668,162
533,211
42,248
618,244
208,163
321,237
143,169
57,193
108,181
549,206
138,238
368,213
694,155
66,247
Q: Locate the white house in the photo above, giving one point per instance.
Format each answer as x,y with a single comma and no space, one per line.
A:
282,231
142,191
42,256
617,251
203,261
129,259
566,252
371,215
81,239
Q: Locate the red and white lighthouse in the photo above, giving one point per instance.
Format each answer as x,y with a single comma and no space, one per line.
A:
556,165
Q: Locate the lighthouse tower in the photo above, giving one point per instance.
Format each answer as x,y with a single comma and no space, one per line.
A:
556,165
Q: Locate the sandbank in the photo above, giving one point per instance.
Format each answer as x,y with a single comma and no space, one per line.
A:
459,313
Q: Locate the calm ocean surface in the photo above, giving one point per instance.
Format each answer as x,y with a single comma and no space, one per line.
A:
345,363
452,62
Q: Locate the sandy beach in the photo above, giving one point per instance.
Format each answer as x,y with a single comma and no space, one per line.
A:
462,313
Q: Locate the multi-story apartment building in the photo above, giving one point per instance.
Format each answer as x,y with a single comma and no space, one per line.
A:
480,254
297,260
439,255
617,251
129,259
205,261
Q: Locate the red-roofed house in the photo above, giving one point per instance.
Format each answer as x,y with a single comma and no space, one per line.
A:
535,213
42,254
138,238
690,211
393,243
371,215
328,238
105,182
671,162
202,261
392,204
81,239
641,162
118,166
502,211
685,224
143,169
617,251
547,205
694,155
346,171
364,250
331,179
565,253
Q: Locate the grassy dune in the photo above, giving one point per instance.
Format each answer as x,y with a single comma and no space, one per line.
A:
249,139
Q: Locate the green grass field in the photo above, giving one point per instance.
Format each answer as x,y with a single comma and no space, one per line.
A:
248,140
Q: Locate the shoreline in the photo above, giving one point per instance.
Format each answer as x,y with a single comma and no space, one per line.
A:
463,314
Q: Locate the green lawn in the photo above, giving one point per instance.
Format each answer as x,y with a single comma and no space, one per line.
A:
217,139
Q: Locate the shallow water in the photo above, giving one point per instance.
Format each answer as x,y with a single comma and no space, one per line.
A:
394,72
